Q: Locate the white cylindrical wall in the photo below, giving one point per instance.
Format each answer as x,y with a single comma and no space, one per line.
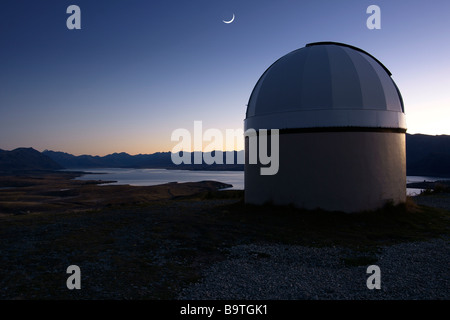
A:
336,171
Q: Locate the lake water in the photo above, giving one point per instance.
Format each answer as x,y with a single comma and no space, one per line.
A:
415,191
150,177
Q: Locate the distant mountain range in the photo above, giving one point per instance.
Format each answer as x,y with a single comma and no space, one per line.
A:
428,155
26,159
425,156
154,160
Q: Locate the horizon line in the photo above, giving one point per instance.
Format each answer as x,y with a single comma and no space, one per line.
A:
137,154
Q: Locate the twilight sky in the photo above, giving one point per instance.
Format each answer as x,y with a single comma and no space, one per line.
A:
138,69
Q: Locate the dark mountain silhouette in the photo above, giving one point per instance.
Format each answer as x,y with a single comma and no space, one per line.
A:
155,160
426,155
26,159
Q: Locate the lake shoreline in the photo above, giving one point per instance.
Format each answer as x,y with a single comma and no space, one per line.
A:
413,187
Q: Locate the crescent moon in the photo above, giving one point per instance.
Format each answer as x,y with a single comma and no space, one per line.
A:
232,19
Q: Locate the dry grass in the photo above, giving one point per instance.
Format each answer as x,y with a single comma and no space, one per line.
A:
149,242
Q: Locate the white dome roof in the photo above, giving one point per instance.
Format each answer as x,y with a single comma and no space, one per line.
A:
325,84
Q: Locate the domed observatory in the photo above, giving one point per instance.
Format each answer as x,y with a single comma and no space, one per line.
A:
341,131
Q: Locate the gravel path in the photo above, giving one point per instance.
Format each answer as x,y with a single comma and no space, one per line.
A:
280,272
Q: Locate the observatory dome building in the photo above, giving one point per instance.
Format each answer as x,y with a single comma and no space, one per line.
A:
341,128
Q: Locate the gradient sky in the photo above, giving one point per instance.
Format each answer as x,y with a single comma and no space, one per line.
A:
137,70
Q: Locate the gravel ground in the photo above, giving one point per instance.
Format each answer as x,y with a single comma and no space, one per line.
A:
413,271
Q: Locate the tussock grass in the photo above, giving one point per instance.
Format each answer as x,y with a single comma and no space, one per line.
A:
151,250
389,225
